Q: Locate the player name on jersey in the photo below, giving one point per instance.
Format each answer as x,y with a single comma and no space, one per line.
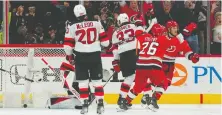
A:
84,25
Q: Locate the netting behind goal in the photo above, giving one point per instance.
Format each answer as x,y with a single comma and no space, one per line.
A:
14,60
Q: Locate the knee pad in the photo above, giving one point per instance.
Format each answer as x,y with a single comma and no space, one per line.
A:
129,80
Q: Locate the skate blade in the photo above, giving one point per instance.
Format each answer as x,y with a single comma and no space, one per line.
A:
144,106
120,110
84,113
152,108
101,112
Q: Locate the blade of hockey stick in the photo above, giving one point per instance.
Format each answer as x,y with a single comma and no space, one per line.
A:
17,75
103,86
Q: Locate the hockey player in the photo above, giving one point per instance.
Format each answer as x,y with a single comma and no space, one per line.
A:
88,36
124,44
178,45
149,66
65,69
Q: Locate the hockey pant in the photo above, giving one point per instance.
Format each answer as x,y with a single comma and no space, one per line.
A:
156,77
168,68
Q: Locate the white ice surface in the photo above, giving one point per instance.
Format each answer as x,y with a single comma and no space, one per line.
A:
111,110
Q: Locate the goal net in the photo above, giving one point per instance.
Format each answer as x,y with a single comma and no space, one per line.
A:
16,60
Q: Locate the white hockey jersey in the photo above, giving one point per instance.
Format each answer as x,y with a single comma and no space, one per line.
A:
85,37
124,37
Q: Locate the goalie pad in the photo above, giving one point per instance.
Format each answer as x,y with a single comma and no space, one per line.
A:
65,102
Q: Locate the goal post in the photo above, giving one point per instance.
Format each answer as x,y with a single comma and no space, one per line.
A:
25,60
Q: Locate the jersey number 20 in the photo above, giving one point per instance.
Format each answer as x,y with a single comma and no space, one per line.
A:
86,37
150,46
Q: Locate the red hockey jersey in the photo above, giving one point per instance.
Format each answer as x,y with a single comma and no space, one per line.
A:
152,50
177,45
131,13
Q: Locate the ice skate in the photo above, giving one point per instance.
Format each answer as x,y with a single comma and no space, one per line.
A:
84,107
123,106
100,107
129,106
153,104
146,100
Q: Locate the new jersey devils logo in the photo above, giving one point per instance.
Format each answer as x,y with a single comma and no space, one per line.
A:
171,49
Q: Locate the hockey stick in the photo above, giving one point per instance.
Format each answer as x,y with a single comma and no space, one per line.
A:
27,79
103,86
74,92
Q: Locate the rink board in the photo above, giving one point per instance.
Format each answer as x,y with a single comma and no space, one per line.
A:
192,83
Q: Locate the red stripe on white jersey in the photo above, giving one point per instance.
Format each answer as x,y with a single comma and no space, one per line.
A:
103,37
69,41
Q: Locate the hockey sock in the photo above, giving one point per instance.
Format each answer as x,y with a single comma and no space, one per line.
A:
125,86
158,92
83,90
131,95
124,89
99,91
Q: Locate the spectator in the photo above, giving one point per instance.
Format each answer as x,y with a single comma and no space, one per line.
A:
191,9
217,39
31,18
17,26
44,21
165,11
52,36
202,21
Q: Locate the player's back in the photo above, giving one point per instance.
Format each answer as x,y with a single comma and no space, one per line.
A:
87,36
124,37
152,50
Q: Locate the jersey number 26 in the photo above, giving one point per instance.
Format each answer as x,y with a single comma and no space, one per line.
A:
150,46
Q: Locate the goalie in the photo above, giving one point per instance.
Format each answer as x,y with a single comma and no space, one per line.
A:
67,70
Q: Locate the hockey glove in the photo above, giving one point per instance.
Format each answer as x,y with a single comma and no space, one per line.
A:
194,57
189,29
71,59
116,66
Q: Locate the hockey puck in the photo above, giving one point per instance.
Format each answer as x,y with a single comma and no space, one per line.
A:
78,107
25,105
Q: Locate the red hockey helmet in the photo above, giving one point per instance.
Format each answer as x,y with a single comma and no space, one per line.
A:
158,30
171,24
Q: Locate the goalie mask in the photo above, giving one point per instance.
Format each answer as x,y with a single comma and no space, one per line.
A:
122,18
